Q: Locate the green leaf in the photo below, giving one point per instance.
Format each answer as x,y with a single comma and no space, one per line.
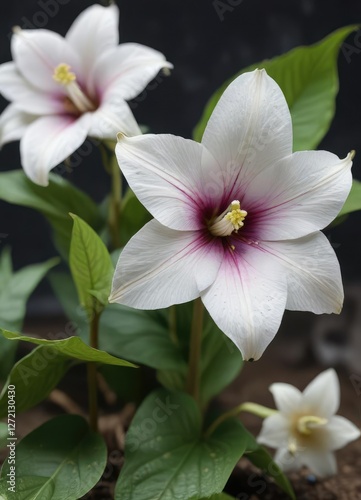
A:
61,459
91,267
72,347
263,460
217,496
14,293
54,201
36,374
140,336
3,434
353,202
167,457
308,78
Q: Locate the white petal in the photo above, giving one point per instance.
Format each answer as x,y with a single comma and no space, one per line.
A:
13,124
127,70
286,461
323,464
15,88
287,397
322,396
38,52
340,431
247,299
112,118
313,273
275,431
166,174
94,32
50,140
250,129
160,267
299,195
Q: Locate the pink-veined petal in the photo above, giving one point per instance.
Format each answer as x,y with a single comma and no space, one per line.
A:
287,397
127,69
38,52
247,299
313,273
13,124
49,141
15,88
160,267
111,118
94,32
249,130
322,464
275,431
340,431
322,396
167,173
299,195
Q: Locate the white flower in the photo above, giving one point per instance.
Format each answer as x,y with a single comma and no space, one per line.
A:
237,218
65,89
306,430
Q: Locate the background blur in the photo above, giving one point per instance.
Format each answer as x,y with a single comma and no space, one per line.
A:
207,41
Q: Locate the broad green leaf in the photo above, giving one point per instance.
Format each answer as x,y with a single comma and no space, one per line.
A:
60,460
140,336
36,374
263,460
167,457
221,361
308,78
73,347
91,267
353,202
54,201
14,293
3,434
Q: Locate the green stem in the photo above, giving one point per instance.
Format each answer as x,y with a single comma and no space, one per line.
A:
92,375
193,381
259,410
173,325
115,203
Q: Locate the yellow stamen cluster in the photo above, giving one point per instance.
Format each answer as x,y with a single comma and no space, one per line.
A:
63,75
231,220
306,423
236,216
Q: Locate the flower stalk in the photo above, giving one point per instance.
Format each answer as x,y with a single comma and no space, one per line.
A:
92,375
256,409
193,381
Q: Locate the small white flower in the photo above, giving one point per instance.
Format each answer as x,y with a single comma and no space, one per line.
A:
237,218
65,89
306,430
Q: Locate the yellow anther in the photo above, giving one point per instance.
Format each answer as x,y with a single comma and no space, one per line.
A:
292,447
236,216
63,75
308,422
229,221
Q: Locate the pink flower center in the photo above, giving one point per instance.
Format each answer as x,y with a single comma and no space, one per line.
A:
77,101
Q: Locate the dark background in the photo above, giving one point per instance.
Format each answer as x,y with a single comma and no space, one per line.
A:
206,48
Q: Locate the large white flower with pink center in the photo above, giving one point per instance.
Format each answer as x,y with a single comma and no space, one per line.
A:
65,89
237,218
306,430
